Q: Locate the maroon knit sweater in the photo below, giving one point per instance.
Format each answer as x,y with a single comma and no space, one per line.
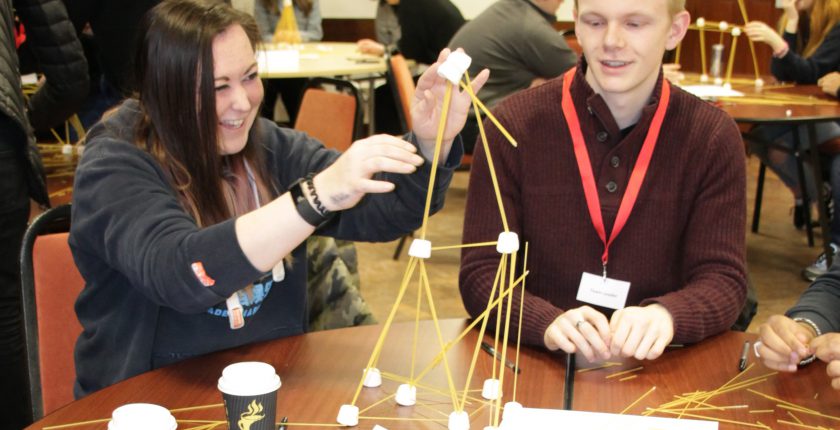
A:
683,246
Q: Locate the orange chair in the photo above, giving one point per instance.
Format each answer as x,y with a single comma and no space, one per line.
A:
402,84
50,284
333,117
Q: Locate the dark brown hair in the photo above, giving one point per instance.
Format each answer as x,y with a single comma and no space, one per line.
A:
305,6
174,70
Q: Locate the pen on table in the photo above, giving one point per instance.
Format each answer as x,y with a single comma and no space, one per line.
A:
742,363
492,351
283,422
569,385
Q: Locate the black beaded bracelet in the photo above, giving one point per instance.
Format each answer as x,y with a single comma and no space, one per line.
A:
310,184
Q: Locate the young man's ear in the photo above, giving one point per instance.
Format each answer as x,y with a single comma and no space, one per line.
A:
679,26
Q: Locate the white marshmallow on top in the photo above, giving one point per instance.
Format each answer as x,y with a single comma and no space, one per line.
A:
454,67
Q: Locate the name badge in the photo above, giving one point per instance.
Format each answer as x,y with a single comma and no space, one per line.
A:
604,292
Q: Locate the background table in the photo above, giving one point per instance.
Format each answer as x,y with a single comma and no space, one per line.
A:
328,59
747,112
320,372
325,59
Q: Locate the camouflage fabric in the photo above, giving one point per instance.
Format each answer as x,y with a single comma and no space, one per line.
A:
333,285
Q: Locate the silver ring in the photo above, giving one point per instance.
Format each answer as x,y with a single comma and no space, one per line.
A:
577,324
755,348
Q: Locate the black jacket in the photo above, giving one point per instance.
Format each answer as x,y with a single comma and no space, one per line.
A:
427,26
54,44
115,24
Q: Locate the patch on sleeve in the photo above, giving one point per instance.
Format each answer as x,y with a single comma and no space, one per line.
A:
198,271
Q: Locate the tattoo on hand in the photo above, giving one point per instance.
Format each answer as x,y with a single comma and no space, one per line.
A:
337,199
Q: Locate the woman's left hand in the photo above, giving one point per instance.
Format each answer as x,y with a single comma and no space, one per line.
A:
427,106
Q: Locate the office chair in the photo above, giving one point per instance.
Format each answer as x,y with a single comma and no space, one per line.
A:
50,284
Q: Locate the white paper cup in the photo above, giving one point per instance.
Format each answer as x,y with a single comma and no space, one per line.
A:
249,390
142,416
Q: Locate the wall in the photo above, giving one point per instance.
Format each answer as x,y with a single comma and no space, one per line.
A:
363,9
350,20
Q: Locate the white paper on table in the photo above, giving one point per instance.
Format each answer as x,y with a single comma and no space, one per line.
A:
545,419
278,60
711,91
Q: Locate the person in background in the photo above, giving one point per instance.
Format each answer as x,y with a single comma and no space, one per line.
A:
388,33
807,49
520,56
808,331
635,221
307,16
190,211
426,26
51,40
111,26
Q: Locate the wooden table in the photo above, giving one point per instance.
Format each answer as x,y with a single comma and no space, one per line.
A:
747,112
320,372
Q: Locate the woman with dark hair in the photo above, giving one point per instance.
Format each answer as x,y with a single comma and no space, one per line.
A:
806,48
190,210
307,16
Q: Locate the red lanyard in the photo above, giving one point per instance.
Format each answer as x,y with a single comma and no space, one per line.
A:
585,166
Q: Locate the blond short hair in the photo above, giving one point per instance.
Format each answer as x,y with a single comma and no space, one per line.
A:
674,6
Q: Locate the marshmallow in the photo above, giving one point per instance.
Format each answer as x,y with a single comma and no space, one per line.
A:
454,67
491,390
373,378
508,243
348,415
406,395
459,421
420,248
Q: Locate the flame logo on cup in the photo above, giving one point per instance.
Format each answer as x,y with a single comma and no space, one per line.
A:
254,414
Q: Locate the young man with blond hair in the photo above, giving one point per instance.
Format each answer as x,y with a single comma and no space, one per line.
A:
629,191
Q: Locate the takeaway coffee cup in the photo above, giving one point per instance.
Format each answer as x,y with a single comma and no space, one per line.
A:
141,416
249,390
